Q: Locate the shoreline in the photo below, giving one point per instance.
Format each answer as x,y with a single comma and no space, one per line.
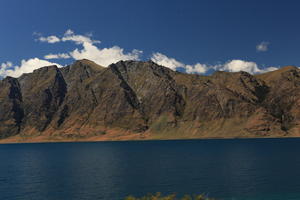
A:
142,140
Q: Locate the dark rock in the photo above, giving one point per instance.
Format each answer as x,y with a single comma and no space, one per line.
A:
85,99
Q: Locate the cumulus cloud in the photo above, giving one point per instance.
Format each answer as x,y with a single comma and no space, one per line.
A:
240,65
50,39
164,60
26,66
4,67
230,66
268,69
89,50
263,46
78,39
57,56
105,56
197,68
174,64
69,32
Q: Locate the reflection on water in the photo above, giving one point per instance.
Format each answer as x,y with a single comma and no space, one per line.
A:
228,169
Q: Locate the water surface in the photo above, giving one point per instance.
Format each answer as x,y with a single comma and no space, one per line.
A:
247,169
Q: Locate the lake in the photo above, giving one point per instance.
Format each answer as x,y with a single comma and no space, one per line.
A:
233,169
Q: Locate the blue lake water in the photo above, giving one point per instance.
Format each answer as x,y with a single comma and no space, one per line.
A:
245,169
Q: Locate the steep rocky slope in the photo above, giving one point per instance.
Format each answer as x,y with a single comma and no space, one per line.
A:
142,100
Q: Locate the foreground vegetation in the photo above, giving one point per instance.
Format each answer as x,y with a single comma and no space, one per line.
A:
158,196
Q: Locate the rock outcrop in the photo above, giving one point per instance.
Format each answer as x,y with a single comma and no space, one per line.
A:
143,100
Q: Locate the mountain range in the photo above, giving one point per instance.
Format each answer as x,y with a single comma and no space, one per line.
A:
132,100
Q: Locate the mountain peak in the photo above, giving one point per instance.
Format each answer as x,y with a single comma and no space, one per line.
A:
278,74
45,68
138,100
84,61
287,68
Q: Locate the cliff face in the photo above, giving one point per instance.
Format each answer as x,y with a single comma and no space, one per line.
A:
136,100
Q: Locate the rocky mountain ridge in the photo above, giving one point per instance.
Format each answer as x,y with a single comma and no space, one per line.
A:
143,100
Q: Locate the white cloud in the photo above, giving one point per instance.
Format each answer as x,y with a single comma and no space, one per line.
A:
163,60
263,46
27,66
173,64
4,67
57,56
197,68
240,65
69,32
78,39
230,66
102,56
268,69
105,56
50,39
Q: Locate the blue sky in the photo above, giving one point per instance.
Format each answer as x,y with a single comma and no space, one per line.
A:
180,33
